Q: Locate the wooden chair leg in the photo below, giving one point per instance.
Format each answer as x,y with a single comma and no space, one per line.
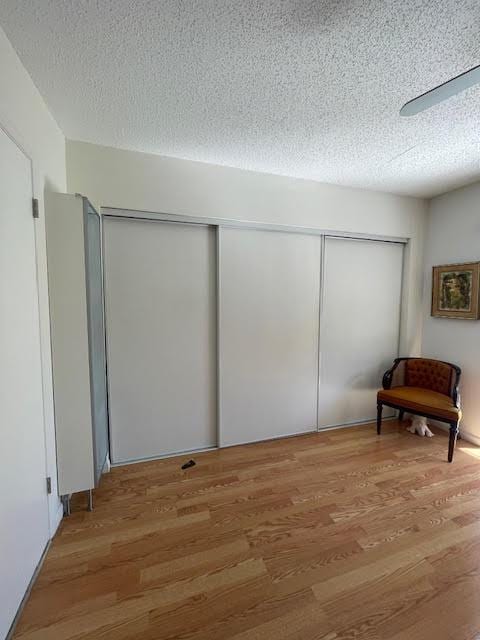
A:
379,417
401,414
452,440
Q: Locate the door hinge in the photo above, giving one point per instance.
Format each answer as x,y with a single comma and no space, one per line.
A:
49,485
35,208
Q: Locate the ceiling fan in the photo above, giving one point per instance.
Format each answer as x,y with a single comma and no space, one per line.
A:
442,92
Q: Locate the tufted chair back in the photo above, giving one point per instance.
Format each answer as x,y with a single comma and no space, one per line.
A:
429,374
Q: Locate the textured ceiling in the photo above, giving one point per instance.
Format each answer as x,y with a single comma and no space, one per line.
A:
302,88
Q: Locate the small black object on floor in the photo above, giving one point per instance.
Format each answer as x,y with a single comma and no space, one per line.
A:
187,465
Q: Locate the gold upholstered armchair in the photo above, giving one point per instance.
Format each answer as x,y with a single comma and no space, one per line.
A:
423,387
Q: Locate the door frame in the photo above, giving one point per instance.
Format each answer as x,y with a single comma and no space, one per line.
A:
37,297
55,509
216,315
4,129
323,304
114,212
219,223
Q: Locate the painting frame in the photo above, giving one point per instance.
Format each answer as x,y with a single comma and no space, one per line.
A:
455,291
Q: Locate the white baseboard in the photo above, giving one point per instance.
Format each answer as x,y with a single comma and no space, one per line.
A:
58,517
26,595
348,425
464,434
470,437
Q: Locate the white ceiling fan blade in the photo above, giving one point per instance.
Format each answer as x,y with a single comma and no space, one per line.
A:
442,92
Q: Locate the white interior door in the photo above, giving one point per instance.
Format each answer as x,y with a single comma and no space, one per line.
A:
160,288
269,297
359,326
23,502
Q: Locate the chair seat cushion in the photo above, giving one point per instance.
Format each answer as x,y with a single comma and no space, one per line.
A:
422,400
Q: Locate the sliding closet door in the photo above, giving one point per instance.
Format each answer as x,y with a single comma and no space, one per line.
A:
269,296
360,324
160,281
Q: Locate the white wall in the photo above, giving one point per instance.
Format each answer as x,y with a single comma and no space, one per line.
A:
453,235
25,117
132,180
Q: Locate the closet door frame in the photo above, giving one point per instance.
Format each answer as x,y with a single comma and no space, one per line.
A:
223,441
218,224
401,319
170,220
88,210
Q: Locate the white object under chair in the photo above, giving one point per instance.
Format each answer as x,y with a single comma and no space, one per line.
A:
419,426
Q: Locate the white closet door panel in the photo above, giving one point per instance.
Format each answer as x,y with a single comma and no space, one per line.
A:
269,296
360,324
161,337
23,500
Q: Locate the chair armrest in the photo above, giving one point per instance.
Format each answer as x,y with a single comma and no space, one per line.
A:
456,385
388,375
456,396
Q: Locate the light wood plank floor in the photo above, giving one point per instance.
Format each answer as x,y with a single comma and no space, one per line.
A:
331,536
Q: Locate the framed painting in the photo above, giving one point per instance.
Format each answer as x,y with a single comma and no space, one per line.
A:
455,291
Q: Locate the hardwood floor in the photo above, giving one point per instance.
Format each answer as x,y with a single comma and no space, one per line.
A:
331,536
